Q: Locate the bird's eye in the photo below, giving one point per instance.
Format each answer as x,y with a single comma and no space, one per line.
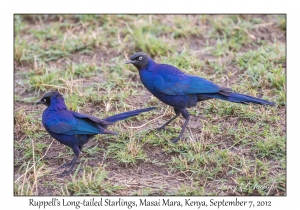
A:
140,58
44,100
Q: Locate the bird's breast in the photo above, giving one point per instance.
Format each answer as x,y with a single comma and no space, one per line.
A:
147,79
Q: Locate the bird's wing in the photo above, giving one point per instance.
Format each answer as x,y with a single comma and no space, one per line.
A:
72,123
58,127
171,81
92,118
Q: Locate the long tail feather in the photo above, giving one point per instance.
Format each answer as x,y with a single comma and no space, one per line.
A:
125,115
237,98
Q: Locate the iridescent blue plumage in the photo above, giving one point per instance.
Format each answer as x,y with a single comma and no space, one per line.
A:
180,90
74,129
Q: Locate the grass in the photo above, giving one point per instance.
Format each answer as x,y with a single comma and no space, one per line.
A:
230,149
92,182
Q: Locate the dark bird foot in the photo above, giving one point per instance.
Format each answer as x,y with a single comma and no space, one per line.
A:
65,173
66,165
62,166
175,140
160,128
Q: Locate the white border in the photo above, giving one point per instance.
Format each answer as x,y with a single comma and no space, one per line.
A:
154,6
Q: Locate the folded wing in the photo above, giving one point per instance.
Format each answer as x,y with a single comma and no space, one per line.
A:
72,123
182,84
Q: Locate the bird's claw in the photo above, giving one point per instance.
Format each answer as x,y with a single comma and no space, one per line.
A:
66,165
160,128
62,166
175,140
65,173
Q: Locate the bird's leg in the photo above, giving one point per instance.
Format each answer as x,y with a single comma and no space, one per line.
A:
177,111
67,164
72,161
186,115
76,151
75,159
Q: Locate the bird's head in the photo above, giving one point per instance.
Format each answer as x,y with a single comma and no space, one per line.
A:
48,97
139,60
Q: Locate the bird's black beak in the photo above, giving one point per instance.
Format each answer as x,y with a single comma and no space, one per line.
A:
128,62
39,102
